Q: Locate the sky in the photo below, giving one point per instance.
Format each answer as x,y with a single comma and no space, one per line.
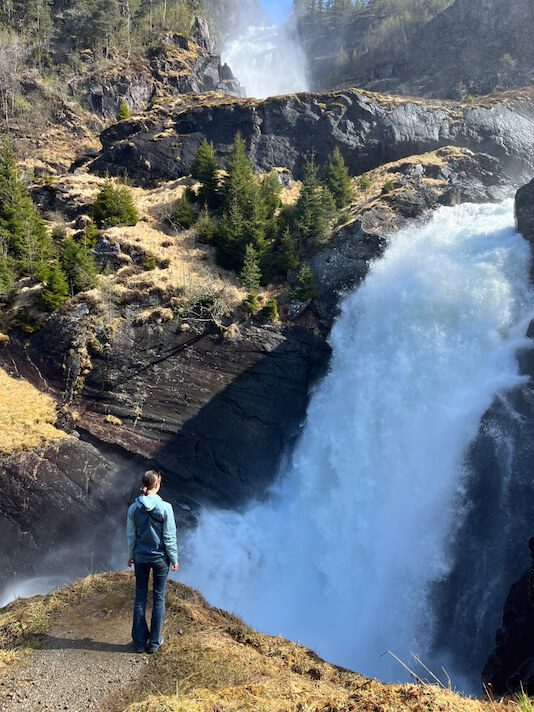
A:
277,10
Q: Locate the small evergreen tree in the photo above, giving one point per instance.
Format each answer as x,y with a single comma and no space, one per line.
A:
205,169
230,238
184,213
206,228
305,287
77,264
286,253
271,311
114,206
7,275
240,184
270,192
252,304
251,272
56,291
90,235
337,179
123,112
314,207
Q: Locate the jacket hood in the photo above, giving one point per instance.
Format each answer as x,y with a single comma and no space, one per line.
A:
149,502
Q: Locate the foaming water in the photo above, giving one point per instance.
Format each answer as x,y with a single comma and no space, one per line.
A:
268,61
342,554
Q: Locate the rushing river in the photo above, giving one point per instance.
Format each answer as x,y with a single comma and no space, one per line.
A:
343,553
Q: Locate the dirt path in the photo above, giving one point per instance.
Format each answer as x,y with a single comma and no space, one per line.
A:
85,663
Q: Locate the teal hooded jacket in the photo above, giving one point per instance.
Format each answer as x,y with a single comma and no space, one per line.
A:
151,531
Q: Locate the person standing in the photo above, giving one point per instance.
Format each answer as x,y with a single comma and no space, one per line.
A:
151,534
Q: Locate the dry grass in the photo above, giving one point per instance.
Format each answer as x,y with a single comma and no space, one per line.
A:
31,422
212,662
177,265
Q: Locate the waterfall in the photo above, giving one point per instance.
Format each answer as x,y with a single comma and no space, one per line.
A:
268,61
342,554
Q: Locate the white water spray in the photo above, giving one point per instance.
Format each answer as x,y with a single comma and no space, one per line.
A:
268,61
342,554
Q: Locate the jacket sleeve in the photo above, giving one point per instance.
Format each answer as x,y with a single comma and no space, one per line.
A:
169,535
130,534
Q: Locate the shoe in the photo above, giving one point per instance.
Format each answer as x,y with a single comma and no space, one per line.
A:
151,649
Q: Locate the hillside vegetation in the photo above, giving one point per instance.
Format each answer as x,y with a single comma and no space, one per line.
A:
27,416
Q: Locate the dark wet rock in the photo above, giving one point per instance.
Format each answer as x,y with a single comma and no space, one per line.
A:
59,494
369,129
510,667
216,413
524,211
107,254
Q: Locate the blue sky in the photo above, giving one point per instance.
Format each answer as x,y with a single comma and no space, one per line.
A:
277,10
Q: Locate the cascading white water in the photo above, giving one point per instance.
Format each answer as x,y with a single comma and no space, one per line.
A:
342,553
268,61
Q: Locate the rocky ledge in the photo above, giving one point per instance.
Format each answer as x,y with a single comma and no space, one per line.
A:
369,129
51,647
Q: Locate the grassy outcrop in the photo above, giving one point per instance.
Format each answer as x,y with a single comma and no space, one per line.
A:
211,660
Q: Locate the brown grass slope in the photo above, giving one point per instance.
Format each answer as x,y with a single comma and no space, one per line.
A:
211,661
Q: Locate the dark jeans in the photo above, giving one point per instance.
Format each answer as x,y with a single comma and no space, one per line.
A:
142,637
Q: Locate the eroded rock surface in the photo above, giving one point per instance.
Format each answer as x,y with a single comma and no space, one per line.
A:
369,129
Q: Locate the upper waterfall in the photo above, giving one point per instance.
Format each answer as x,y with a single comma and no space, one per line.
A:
267,60
344,551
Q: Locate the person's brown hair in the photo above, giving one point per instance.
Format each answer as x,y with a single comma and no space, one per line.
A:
150,481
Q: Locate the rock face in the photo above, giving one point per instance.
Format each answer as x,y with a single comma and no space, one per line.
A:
524,211
470,47
369,130
216,414
179,66
510,667
60,494
447,177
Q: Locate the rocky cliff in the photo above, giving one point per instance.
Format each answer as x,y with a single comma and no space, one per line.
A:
510,667
369,129
470,47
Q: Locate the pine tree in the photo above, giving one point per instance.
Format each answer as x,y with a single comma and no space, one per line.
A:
56,291
114,206
206,228
314,208
270,191
286,253
251,272
184,213
205,169
77,264
25,232
240,184
230,238
337,179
